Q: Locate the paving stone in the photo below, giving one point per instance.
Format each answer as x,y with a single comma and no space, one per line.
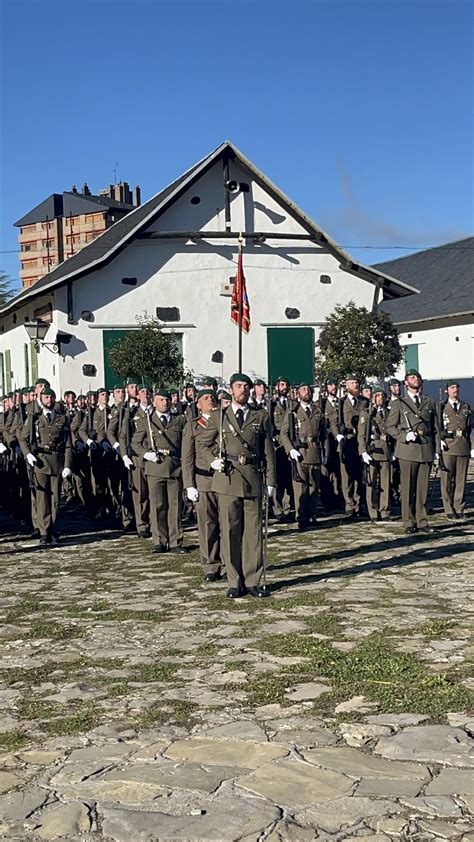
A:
222,820
307,690
149,752
288,831
293,783
437,805
468,802
191,776
358,764
356,703
444,830
397,720
103,754
242,729
452,782
242,753
40,758
17,806
307,738
117,792
358,734
8,780
64,820
344,812
71,692
429,744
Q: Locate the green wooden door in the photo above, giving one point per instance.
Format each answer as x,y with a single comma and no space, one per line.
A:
108,338
411,357
290,354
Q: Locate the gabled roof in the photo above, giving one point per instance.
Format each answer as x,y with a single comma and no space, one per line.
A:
63,204
443,274
112,241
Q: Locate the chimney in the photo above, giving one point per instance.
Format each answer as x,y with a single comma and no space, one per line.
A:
112,191
74,189
137,197
85,189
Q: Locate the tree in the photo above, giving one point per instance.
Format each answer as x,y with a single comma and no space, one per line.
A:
6,291
354,340
148,354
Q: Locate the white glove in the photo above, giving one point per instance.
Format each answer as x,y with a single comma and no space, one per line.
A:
150,456
295,454
127,462
270,490
394,458
116,446
367,458
32,460
2,448
444,446
340,438
436,456
106,446
91,444
192,494
410,436
66,473
217,465
472,453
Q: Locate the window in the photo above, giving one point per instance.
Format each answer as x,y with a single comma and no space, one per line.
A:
2,374
27,364
34,361
8,371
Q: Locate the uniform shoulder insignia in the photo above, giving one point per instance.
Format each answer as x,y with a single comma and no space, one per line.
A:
201,422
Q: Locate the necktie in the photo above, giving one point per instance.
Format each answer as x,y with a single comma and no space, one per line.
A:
455,406
283,403
308,411
164,420
48,417
381,413
417,401
240,417
353,402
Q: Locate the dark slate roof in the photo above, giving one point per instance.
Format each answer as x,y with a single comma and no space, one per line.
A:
443,274
103,249
63,204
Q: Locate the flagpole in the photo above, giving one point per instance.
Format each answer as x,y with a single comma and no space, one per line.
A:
241,302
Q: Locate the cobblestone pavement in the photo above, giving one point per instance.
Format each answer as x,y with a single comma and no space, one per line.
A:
138,704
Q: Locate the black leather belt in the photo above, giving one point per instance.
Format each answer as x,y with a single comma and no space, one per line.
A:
242,459
201,473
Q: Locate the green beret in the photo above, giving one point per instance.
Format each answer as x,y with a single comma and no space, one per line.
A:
368,386
146,386
412,372
394,382
10,395
210,381
331,378
225,396
282,379
304,383
116,386
133,380
189,385
174,391
41,381
48,393
203,392
240,377
259,382
452,383
69,392
352,377
163,393
25,390
81,397
91,393
377,390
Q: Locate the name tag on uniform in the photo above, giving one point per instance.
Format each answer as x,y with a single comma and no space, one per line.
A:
383,437
459,433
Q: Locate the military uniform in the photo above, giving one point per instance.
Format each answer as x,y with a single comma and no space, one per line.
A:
331,469
164,477
283,494
416,457
119,476
52,449
351,465
308,437
140,496
197,474
249,459
373,438
94,427
458,434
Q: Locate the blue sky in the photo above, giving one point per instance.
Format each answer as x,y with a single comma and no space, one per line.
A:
361,111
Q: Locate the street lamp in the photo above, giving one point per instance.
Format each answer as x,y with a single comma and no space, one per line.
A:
37,331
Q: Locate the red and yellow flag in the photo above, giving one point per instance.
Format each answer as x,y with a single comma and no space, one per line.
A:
240,298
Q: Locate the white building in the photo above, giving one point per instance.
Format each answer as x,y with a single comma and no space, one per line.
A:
436,327
175,257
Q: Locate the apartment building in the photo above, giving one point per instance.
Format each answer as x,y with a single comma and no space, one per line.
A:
64,223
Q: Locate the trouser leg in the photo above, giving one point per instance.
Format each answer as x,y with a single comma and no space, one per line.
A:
174,489
158,510
140,497
446,481
207,511
283,491
252,542
231,520
422,493
44,503
462,465
385,489
371,491
408,483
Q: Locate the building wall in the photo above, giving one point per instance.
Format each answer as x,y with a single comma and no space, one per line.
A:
444,351
175,273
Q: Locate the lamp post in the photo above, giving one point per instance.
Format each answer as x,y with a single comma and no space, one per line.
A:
37,331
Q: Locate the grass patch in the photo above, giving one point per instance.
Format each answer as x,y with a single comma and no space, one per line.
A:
155,672
28,606
76,723
173,713
118,615
396,681
12,740
53,631
437,628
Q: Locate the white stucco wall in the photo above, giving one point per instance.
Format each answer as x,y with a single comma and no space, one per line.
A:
444,352
279,274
